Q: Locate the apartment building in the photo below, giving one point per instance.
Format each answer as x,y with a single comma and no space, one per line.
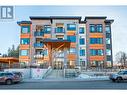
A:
66,42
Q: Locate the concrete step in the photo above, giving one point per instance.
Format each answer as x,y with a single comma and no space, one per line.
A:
55,74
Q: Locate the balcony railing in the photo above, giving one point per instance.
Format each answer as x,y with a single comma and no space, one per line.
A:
39,33
38,45
38,56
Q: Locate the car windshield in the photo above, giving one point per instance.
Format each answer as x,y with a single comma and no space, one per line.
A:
121,72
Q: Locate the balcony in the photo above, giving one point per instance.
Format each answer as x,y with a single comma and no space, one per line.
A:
37,56
38,45
39,34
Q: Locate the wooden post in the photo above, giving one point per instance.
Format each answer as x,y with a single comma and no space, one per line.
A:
9,64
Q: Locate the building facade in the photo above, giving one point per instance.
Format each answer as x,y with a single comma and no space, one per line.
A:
66,42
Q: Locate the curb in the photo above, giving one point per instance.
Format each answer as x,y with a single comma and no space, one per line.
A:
66,80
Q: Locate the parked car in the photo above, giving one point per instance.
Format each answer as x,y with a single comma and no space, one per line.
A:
118,77
18,74
9,78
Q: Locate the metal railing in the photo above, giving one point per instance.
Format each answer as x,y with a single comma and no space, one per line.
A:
38,45
41,33
49,70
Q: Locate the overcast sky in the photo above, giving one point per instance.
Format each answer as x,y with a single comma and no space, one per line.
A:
10,31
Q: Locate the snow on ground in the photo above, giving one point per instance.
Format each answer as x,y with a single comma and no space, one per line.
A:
88,77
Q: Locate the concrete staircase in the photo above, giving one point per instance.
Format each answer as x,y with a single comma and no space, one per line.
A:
55,74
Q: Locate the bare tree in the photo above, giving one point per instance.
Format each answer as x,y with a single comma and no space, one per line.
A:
121,57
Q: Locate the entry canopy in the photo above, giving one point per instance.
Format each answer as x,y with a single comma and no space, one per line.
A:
8,59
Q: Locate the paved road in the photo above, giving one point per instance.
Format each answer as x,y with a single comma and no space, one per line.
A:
67,85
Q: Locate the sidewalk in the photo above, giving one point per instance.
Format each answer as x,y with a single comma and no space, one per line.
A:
67,79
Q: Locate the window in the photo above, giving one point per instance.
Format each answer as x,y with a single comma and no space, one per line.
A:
25,29
108,52
92,28
96,41
82,41
72,50
8,74
94,52
109,63
71,38
40,52
61,54
81,30
47,29
59,30
100,52
23,52
97,63
107,40
82,63
99,27
71,27
108,35
109,57
45,52
25,41
82,52
107,28
96,28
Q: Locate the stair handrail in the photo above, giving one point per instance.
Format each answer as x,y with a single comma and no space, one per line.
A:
47,72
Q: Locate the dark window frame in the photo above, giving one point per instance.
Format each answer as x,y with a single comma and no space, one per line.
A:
70,28
25,27
81,30
96,28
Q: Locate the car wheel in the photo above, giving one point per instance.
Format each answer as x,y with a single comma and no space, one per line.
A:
113,80
119,79
8,82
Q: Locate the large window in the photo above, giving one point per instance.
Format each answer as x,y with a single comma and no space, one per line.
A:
25,41
45,52
108,52
59,30
97,63
94,52
71,38
82,41
71,27
96,41
23,52
107,28
109,63
72,50
107,40
25,29
82,52
47,29
81,30
99,28
94,28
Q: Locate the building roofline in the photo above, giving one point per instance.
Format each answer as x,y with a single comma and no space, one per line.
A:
24,22
109,21
82,22
54,17
95,17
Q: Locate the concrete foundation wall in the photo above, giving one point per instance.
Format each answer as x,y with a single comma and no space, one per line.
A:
29,73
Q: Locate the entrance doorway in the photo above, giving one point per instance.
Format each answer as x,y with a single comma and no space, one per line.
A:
58,65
